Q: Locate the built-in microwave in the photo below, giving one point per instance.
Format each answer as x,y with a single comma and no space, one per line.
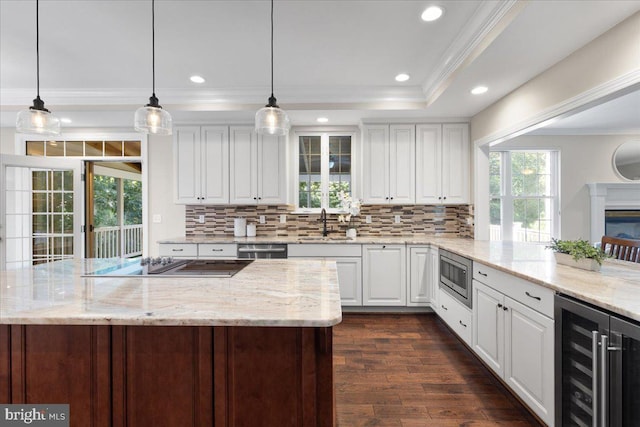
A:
456,276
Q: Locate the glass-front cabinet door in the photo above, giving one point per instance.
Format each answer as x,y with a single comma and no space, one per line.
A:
624,354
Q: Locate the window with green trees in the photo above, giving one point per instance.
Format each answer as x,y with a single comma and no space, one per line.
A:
324,170
524,195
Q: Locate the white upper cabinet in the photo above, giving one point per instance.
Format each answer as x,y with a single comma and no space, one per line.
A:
201,164
389,164
258,167
442,170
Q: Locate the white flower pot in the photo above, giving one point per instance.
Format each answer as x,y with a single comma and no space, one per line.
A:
351,233
584,263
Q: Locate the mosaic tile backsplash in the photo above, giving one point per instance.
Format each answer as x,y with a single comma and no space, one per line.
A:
414,219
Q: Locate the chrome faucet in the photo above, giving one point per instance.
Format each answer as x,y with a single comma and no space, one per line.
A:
323,218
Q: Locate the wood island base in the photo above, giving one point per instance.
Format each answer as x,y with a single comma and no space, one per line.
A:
172,375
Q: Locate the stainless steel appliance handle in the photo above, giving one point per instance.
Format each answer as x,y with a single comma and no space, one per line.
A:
256,250
604,381
594,378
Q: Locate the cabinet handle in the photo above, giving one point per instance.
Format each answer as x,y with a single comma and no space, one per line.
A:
482,274
499,305
604,381
177,250
217,250
445,308
462,323
505,308
532,296
594,377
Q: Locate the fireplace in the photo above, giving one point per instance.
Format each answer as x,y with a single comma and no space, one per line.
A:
614,198
624,224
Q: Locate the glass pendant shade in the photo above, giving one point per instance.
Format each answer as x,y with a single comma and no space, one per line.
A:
152,120
37,121
272,121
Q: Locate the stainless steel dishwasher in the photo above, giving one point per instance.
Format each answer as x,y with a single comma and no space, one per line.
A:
262,250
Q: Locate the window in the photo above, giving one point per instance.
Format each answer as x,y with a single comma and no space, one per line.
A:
324,170
524,196
83,148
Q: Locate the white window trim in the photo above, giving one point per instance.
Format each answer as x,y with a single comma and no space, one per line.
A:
506,213
21,150
324,171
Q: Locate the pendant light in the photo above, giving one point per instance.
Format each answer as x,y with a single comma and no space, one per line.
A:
37,119
271,119
152,118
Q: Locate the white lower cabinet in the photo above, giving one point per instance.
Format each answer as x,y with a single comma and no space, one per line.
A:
348,260
384,275
517,343
456,315
423,276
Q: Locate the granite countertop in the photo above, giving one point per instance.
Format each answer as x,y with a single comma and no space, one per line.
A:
265,293
616,287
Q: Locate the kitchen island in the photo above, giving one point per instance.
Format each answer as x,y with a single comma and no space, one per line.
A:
251,350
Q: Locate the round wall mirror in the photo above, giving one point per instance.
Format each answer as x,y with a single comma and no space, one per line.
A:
626,160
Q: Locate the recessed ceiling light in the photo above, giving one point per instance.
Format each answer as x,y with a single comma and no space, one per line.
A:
65,120
402,77
432,13
322,120
197,79
479,90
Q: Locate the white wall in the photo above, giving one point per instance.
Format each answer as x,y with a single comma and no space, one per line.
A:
160,161
7,140
613,56
583,159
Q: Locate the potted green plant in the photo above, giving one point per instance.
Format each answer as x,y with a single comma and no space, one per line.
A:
577,253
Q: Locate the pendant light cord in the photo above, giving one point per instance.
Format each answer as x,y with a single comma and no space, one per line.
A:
153,45
37,49
272,48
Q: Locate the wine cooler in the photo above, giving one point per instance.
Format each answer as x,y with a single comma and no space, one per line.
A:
597,367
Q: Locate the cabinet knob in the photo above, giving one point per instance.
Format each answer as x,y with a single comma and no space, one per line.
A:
386,198
505,308
391,198
440,198
499,305
445,197
255,198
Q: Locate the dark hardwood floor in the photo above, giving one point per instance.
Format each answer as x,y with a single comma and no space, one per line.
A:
409,370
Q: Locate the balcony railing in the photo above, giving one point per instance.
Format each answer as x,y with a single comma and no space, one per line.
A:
118,241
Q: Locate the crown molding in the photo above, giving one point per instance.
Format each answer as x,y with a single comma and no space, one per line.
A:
222,97
488,21
619,86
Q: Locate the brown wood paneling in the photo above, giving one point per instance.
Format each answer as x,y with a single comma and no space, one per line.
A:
272,377
5,365
63,364
162,376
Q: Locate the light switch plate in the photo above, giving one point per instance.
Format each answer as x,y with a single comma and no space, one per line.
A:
397,219
367,219
201,219
283,218
262,219
157,218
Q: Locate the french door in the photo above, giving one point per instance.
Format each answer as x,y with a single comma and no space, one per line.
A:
41,203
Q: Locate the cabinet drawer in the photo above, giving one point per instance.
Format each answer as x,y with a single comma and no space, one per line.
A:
456,315
324,250
179,250
533,296
217,250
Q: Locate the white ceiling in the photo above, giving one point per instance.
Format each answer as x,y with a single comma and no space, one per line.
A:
335,59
